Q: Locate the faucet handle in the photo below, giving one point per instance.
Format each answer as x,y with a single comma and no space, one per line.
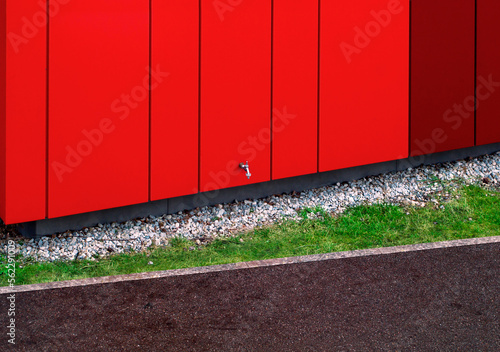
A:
246,167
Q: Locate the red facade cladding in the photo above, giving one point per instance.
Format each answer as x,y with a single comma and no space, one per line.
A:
364,54
442,75
146,104
295,88
488,72
174,100
22,110
98,105
235,93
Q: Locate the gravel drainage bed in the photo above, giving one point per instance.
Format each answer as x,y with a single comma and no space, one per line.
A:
413,186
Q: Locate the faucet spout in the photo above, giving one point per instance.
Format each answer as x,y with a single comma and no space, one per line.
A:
246,167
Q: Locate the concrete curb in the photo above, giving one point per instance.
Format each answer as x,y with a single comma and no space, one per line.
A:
249,265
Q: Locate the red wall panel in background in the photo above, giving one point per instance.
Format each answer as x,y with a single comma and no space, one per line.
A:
174,102
442,75
364,55
23,110
488,72
295,88
235,93
98,106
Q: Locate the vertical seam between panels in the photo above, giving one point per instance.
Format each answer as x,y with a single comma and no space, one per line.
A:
272,93
150,100
319,89
47,129
199,95
409,78
475,73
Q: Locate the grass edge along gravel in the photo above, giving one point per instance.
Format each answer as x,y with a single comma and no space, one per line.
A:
456,213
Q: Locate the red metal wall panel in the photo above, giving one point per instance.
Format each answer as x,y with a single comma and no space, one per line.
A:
23,115
235,92
363,82
295,88
174,102
488,72
442,75
98,106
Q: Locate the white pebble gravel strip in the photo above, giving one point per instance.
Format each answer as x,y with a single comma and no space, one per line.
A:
410,187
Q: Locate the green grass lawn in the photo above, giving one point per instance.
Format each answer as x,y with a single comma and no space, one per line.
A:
471,211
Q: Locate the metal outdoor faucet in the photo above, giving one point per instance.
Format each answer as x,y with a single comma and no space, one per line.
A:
246,168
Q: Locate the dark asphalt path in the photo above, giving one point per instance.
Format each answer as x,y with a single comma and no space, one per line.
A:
435,300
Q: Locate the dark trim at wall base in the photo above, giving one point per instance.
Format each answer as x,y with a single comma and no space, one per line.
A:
255,191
